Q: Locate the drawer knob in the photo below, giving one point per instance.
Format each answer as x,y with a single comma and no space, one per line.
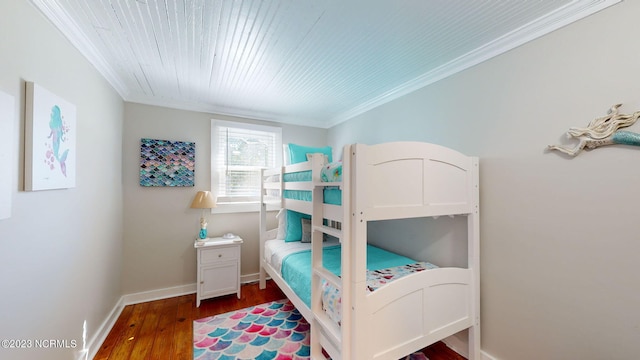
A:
219,255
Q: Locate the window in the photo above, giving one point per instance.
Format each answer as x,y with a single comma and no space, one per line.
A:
239,152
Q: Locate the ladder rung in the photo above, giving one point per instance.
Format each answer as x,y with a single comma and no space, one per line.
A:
330,348
298,185
329,276
329,230
329,328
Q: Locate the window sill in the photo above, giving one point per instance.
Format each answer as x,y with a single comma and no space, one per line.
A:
240,207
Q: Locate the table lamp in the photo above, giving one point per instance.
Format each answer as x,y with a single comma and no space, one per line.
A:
203,200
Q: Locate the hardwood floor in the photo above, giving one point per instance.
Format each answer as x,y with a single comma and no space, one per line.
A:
163,329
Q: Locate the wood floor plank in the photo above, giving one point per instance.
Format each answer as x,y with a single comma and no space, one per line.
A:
163,342
163,329
124,346
118,331
440,351
183,333
147,334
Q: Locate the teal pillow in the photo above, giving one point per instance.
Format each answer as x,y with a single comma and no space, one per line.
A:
298,153
294,225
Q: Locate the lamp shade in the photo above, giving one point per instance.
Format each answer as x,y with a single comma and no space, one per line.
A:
203,200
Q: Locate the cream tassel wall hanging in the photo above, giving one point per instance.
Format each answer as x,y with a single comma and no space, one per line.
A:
603,131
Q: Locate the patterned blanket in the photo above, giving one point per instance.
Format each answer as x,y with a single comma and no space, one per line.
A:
332,299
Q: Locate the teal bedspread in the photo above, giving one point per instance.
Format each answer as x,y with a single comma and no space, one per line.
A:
332,195
296,268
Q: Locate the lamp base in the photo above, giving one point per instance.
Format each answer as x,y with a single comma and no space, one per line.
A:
203,234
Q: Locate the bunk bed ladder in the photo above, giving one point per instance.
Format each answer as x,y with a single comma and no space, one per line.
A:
325,333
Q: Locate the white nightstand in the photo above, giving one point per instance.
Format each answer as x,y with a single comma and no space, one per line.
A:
218,267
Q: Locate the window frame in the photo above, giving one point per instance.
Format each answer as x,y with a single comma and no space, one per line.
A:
241,205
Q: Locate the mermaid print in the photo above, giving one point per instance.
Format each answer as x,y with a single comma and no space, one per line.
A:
57,136
50,140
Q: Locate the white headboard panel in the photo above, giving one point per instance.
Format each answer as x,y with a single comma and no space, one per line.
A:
445,183
412,179
387,175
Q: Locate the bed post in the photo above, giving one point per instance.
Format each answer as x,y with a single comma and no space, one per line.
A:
357,260
347,286
473,226
263,232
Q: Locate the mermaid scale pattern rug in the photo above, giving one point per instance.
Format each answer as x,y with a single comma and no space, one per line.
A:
271,331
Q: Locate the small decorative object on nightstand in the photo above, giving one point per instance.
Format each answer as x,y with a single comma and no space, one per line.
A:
203,200
218,267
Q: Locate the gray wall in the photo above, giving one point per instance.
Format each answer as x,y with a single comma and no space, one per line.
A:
61,250
159,226
559,236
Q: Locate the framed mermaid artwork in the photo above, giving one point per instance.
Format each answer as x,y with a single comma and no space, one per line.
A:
50,141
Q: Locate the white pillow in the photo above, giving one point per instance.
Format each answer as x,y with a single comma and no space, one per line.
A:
286,156
282,224
325,160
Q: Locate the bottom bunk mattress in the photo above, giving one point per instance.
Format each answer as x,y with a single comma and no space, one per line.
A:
293,261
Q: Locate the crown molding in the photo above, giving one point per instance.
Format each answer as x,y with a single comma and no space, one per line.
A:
563,16
228,111
71,31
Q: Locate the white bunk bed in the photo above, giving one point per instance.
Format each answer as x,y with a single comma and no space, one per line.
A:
380,182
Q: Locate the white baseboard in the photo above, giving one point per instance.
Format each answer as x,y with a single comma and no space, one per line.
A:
462,348
93,345
250,278
159,294
165,293
486,356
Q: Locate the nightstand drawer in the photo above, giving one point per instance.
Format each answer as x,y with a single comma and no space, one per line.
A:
208,256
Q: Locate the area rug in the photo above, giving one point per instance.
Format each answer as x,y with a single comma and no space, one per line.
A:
271,331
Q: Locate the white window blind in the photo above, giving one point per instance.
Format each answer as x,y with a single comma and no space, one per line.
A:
239,152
